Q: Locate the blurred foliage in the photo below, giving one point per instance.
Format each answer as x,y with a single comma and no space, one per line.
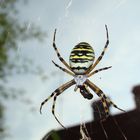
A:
12,31
1,121
53,135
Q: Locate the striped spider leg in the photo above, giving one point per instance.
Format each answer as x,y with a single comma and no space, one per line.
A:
63,69
58,54
102,54
98,70
105,100
56,93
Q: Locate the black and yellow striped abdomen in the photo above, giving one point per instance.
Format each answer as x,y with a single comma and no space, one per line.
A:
81,58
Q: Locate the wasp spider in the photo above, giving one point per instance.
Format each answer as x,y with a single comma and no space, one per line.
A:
81,67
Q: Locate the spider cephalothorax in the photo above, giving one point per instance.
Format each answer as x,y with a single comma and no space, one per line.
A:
81,67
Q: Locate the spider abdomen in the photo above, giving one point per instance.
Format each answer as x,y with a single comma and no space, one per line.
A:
81,58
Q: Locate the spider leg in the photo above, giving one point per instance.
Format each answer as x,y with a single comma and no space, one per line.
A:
102,54
63,69
58,90
100,93
47,100
53,110
96,71
106,107
58,54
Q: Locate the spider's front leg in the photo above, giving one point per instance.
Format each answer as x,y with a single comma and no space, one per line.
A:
105,100
56,93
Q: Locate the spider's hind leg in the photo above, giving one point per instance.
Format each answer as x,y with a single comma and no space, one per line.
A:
57,52
102,53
